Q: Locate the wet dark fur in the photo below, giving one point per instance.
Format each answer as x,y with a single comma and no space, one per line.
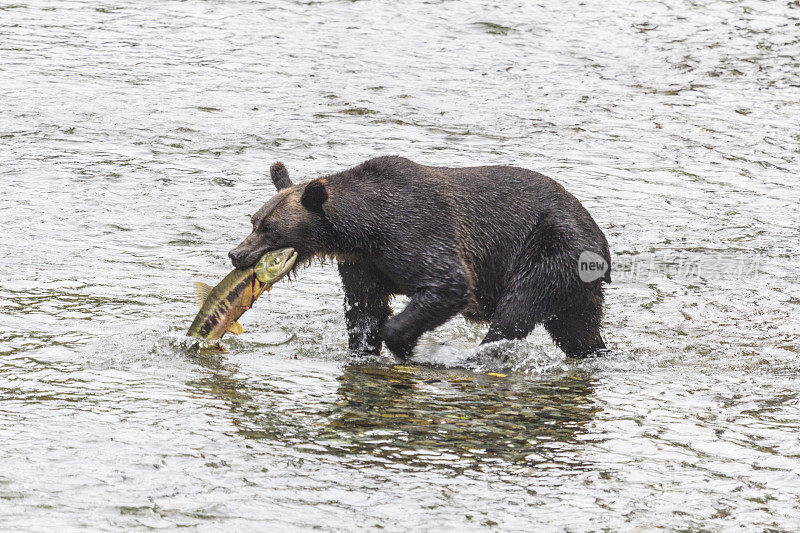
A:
498,244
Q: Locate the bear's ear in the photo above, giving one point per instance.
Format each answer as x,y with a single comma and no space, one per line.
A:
280,176
314,195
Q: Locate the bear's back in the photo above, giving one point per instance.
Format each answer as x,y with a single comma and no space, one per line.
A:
489,210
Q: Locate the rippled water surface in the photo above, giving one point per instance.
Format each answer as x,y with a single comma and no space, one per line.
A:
135,139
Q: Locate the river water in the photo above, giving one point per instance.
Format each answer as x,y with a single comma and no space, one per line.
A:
135,139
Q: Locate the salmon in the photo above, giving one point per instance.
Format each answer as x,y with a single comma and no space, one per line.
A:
221,306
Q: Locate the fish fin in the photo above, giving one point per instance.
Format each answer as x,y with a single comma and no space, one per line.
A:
235,328
201,291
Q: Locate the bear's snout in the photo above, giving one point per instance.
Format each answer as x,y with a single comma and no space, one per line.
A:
250,250
237,256
245,257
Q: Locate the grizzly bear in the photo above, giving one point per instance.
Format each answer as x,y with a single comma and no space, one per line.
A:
498,244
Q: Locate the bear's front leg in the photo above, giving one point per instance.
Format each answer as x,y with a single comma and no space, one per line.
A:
366,305
429,308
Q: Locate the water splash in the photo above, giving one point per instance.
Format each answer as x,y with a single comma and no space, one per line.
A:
510,356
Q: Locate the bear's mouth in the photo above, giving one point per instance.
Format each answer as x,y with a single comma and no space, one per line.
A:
304,258
248,259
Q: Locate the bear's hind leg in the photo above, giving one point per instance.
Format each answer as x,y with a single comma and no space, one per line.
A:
547,289
516,315
542,278
367,293
576,329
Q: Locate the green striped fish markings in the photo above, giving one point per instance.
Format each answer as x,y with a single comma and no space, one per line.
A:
221,306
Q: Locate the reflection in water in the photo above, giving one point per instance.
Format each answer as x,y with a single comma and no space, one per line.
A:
416,416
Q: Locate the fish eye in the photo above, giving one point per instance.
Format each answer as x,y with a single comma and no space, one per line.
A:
276,260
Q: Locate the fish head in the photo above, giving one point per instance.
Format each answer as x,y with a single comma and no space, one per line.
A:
274,265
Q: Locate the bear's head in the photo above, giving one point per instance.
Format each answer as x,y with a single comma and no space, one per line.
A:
292,218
